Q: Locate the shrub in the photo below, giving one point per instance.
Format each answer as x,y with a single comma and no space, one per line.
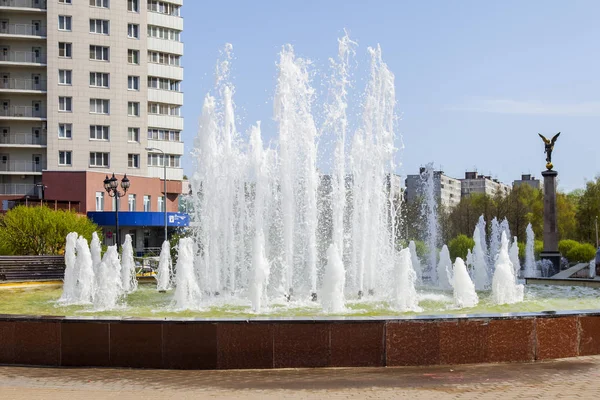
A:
40,230
564,246
460,245
583,252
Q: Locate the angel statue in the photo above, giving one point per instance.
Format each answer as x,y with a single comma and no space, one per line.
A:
548,147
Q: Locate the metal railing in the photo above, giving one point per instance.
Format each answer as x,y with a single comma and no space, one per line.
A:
22,84
23,112
20,166
18,189
22,138
23,29
41,4
23,57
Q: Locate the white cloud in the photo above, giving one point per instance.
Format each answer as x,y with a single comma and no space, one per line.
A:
507,106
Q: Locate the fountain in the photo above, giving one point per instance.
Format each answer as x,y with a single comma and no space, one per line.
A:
494,247
505,289
96,250
444,265
481,276
187,291
430,212
405,294
109,288
70,280
128,278
463,287
530,267
164,273
416,263
513,253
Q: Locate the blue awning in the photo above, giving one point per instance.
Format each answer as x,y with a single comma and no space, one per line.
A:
135,218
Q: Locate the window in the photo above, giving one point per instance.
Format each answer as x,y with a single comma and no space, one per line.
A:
99,3
163,58
163,109
133,160
64,131
99,159
65,49
65,104
160,32
99,132
133,5
64,22
147,203
133,31
133,134
100,26
133,109
99,106
131,202
163,83
64,76
163,134
64,1
100,53
163,7
64,158
99,201
133,82
171,160
161,204
133,56
99,79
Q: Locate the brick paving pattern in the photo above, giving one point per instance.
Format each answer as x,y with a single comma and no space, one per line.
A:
575,378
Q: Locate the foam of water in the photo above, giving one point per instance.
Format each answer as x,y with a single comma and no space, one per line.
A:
96,250
164,273
405,294
416,263
333,282
494,247
505,289
482,237
444,265
463,287
128,278
429,211
85,287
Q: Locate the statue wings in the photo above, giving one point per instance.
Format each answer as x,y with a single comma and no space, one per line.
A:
552,141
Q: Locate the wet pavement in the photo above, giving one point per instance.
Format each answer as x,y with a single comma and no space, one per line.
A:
575,378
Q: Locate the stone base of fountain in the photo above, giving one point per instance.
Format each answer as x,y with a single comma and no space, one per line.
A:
296,343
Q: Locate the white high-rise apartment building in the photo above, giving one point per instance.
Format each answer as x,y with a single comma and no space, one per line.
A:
85,87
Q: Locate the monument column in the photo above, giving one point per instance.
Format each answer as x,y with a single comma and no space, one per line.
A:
550,252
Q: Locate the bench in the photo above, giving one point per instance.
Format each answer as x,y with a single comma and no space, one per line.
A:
31,268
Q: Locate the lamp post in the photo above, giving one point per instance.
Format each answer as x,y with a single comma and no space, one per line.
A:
597,244
112,188
165,183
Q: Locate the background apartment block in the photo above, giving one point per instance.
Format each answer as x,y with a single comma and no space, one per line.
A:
85,87
447,190
527,179
476,183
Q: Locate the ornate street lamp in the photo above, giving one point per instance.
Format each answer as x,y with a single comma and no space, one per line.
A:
111,185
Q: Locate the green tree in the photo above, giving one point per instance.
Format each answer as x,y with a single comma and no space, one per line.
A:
587,211
566,210
460,245
40,230
583,252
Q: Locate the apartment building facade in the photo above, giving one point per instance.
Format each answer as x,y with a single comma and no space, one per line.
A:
89,88
447,190
476,183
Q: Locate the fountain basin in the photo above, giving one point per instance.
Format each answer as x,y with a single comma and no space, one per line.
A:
238,340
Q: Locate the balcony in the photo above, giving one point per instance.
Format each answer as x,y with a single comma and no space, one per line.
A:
18,189
25,112
23,85
24,5
22,139
23,58
24,30
21,166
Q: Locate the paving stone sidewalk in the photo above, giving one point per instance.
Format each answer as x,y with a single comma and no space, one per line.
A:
576,378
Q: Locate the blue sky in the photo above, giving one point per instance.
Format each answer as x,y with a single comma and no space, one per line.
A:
475,80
